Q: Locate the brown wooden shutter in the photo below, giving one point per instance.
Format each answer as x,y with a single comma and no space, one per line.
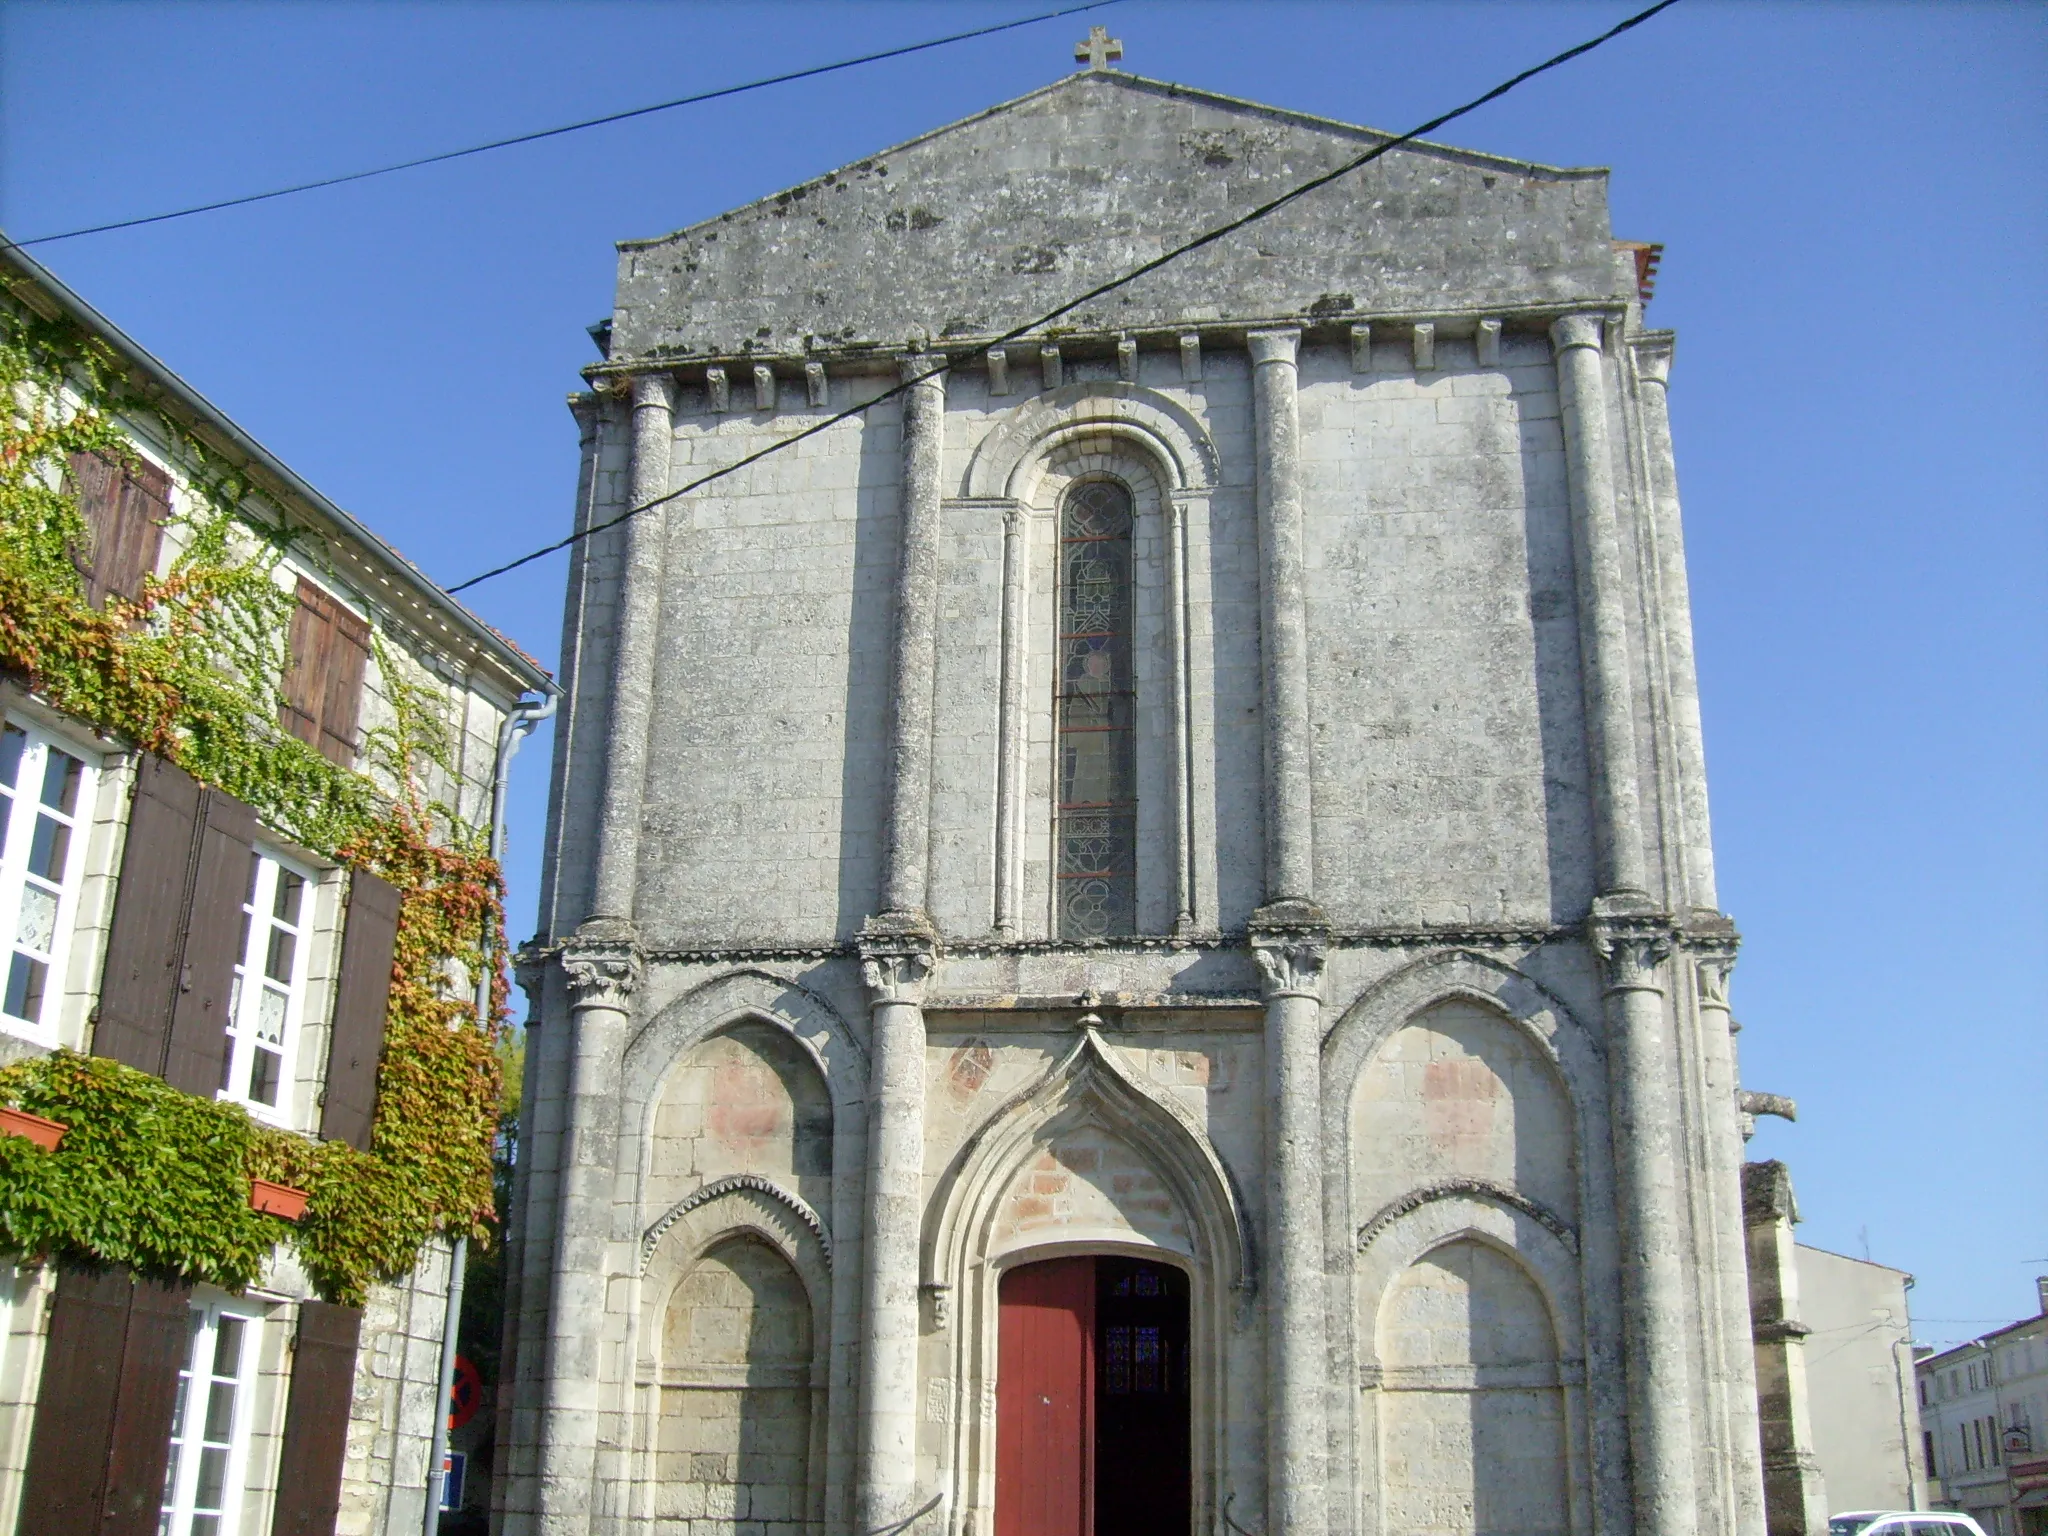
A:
357,1041
125,509
177,929
213,941
323,681
102,1437
159,1341
147,936
316,1420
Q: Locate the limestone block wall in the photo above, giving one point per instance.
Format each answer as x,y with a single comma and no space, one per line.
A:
391,1416
762,812
1450,779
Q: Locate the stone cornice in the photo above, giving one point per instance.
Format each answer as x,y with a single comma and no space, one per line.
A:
1333,328
1683,936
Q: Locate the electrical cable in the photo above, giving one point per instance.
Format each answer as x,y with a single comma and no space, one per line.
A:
550,133
1208,237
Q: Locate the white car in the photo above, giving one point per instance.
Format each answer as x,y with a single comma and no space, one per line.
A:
1903,1522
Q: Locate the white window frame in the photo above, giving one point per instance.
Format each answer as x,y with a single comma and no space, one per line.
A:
181,1476
21,806
252,981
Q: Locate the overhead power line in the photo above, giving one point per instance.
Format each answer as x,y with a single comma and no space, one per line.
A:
1017,332
577,127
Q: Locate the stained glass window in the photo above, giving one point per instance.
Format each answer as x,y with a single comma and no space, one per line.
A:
1095,715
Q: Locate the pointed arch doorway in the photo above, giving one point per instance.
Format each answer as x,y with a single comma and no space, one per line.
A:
1092,1399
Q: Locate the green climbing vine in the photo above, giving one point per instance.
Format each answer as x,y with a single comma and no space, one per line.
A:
191,669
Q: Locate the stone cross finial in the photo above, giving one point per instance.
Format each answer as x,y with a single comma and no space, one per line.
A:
1099,50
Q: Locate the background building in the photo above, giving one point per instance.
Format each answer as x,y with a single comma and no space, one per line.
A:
214,935
1984,1407
1859,1374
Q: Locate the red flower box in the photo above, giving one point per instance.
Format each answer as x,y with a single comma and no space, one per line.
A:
268,1199
44,1133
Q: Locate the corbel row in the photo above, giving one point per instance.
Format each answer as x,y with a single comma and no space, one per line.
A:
1017,367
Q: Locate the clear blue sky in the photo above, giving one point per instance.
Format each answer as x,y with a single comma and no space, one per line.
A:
1855,210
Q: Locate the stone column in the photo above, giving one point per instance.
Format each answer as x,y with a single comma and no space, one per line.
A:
1603,623
1640,1068
1283,616
1183,719
898,952
1297,1361
636,640
602,966
1633,940
1288,938
1653,367
1010,726
895,970
1713,955
904,868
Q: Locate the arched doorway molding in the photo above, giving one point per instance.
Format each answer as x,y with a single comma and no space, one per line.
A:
1090,1087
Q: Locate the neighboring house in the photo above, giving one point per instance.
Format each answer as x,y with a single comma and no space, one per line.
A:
1859,1377
170,926
1984,1407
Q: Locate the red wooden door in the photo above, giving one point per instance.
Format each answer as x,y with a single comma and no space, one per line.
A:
1045,1393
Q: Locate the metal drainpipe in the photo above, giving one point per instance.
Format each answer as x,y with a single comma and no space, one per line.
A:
523,719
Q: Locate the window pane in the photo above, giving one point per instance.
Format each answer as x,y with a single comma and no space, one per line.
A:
270,1011
13,742
213,1477
61,773
25,979
227,1346
46,853
1116,1376
264,1070
1097,854
220,1411
1148,1357
286,907
178,1414
277,965
36,927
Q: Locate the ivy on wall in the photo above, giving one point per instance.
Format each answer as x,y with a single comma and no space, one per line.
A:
191,669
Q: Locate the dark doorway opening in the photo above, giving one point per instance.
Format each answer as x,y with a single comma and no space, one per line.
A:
1092,1400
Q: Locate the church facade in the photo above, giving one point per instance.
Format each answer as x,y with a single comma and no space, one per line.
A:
1129,939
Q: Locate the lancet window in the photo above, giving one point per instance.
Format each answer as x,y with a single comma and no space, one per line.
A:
1095,717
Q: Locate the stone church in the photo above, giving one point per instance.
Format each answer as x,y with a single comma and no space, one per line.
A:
1129,940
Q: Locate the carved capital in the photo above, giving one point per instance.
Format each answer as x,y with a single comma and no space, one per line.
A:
1633,949
897,958
1281,346
530,970
922,368
1291,961
1711,940
1568,331
1653,358
654,391
602,967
